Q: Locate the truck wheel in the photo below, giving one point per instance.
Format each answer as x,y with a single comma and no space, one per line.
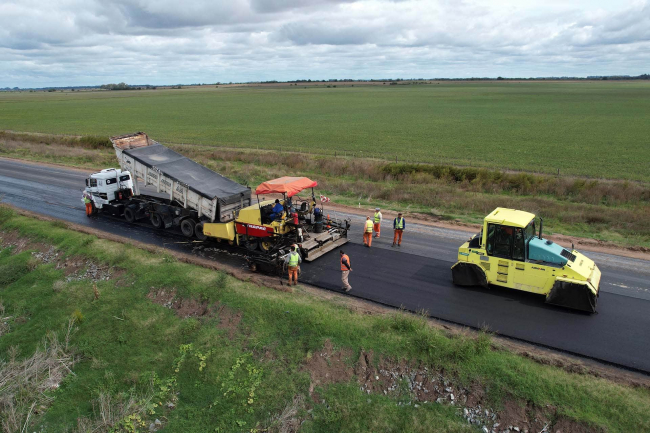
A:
198,231
187,227
129,215
156,221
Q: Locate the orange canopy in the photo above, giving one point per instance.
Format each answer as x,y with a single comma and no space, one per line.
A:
285,185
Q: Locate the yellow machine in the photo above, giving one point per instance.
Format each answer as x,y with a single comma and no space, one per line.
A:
508,253
268,233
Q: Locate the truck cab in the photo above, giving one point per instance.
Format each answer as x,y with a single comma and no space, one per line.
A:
109,186
509,252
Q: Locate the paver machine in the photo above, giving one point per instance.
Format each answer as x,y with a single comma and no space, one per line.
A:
509,252
206,205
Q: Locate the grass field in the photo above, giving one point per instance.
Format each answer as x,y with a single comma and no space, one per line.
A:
251,361
596,129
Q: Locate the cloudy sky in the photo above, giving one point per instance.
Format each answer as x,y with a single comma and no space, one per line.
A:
88,42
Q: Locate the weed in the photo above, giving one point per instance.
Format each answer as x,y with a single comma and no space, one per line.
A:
221,281
28,384
77,316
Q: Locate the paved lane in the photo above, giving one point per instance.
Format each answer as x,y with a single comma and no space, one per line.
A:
417,276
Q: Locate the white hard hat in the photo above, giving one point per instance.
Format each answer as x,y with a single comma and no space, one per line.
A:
376,208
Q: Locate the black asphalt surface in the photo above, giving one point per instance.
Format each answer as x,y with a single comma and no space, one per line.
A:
417,276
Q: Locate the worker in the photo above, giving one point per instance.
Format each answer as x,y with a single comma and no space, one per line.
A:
277,210
292,260
346,268
89,204
398,226
367,233
298,251
377,222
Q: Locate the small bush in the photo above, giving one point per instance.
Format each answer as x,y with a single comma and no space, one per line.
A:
13,270
222,281
6,213
406,323
189,326
58,286
77,316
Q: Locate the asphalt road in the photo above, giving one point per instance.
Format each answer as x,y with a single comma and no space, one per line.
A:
417,276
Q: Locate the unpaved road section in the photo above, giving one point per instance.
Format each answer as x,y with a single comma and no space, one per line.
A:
417,276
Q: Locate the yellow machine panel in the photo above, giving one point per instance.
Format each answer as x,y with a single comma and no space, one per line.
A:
220,230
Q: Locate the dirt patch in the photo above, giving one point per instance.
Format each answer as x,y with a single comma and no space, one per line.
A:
228,319
74,268
525,417
21,243
567,425
328,366
183,307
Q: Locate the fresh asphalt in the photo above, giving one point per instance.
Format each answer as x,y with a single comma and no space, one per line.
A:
416,276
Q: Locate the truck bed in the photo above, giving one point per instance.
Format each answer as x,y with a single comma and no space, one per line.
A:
186,181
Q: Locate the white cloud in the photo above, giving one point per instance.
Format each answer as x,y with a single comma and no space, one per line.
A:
78,42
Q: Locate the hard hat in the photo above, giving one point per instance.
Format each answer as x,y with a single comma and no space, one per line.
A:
376,208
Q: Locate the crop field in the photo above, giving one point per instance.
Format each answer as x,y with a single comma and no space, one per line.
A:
595,129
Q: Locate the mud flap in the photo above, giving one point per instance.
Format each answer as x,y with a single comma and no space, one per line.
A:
572,295
468,274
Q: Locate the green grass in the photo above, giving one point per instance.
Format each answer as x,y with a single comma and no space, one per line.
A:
596,129
126,343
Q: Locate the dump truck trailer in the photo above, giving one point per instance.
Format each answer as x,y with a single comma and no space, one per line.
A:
206,205
509,252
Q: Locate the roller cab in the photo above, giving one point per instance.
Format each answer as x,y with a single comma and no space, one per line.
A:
509,252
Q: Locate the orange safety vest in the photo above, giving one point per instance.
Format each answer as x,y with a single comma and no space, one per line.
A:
368,226
345,257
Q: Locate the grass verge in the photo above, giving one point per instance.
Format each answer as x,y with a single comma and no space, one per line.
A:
605,210
156,339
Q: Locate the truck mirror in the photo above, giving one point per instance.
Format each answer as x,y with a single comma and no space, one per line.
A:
86,182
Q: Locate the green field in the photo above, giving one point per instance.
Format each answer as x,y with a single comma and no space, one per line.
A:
596,129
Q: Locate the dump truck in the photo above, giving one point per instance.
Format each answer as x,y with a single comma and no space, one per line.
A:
509,252
206,205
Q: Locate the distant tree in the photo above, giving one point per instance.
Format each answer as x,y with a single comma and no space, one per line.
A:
119,86
499,78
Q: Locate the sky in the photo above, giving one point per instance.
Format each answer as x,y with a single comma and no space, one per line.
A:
91,42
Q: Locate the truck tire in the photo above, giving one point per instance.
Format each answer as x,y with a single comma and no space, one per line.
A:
156,220
129,215
187,227
198,232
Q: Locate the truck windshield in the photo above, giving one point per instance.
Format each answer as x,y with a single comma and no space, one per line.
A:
530,230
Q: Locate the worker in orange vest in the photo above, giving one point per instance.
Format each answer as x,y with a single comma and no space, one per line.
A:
88,203
367,233
346,268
